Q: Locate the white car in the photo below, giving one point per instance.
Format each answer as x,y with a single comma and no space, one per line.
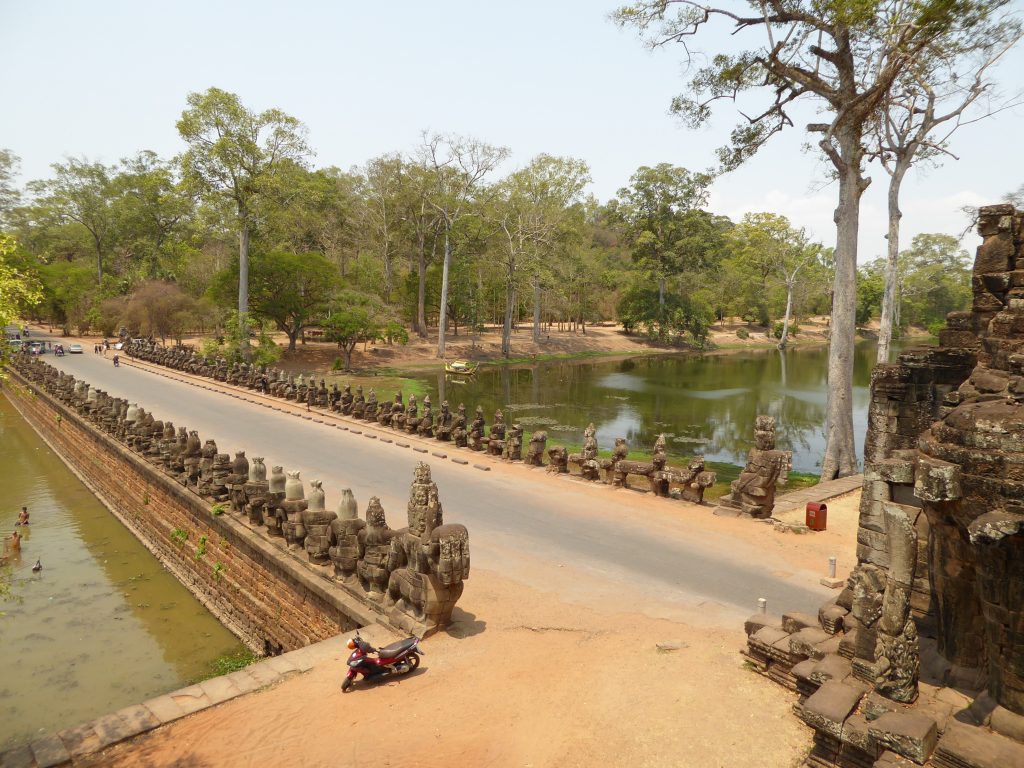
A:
75,349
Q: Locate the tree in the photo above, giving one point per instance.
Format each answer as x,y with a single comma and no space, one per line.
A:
459,166
528,208
384,181
159,308
18,291
82,192
934,279
10,195
69,291
654,210
934,94
783,250
354,318
845,57
286,289
234,153
151,204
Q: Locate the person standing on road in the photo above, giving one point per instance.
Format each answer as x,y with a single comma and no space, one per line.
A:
117,362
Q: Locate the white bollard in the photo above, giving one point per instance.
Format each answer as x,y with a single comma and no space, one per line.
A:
832,567
762,603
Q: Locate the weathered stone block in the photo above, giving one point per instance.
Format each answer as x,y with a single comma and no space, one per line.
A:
910,734
49,752
827,709
795,621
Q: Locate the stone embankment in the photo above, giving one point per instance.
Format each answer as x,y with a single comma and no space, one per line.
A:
262,594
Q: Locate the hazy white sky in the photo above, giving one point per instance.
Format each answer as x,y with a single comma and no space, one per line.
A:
104,79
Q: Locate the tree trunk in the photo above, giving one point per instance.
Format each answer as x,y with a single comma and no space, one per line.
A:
785,321
292,336
99,260
506,328
421,291
536,312
442,322
347,351
891,262
840,457
661,308
243,290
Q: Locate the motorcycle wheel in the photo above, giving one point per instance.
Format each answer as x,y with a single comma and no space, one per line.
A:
346,684
413,661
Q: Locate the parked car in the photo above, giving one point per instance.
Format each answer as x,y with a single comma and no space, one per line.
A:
75,349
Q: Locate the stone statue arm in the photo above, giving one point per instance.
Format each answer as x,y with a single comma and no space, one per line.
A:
396,556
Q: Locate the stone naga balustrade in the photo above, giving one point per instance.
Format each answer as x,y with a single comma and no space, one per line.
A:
413,575
448,426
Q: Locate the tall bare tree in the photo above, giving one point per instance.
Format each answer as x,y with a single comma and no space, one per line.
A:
234,152
842,55
459,167
929,103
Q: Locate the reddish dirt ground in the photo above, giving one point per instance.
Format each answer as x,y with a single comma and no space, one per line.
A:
525,677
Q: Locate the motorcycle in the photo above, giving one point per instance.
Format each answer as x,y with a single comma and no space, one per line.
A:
396,659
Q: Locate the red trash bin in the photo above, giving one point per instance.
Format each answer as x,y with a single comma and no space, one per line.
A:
817,515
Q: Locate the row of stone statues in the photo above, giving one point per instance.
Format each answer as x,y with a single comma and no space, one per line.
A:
446,425
414,574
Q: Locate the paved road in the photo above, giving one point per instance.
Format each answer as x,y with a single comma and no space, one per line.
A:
507,514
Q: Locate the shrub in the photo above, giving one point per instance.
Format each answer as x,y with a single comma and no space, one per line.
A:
934,328
743,333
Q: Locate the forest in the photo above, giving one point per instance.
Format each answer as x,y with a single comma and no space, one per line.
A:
152,244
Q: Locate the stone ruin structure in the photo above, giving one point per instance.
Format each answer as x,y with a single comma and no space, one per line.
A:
413,576
446,425
753,492
920,659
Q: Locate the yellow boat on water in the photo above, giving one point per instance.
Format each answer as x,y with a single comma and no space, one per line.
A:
461,367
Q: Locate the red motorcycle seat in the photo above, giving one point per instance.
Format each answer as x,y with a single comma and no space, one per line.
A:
390,651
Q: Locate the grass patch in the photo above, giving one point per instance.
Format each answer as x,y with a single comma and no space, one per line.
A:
797,481
385,383
230,662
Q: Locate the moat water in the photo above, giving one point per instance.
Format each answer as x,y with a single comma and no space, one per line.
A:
102,625
704,404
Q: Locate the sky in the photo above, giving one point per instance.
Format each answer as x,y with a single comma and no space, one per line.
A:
103,80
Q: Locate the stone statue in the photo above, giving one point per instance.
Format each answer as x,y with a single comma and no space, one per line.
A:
426,426
345,528
256,489
317,521
274,513
514,444
294,505
374,550
236,482
412,421
428,561
496,441
359,404
558,460
476,430
346,400
459,432
398,413
370,412
443,431
535,453
753,493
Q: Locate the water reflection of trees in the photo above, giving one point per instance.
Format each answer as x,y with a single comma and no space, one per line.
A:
707,404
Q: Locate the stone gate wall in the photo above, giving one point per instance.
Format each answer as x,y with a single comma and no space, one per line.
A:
267,598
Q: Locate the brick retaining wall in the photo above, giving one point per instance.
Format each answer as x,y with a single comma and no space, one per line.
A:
261,593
